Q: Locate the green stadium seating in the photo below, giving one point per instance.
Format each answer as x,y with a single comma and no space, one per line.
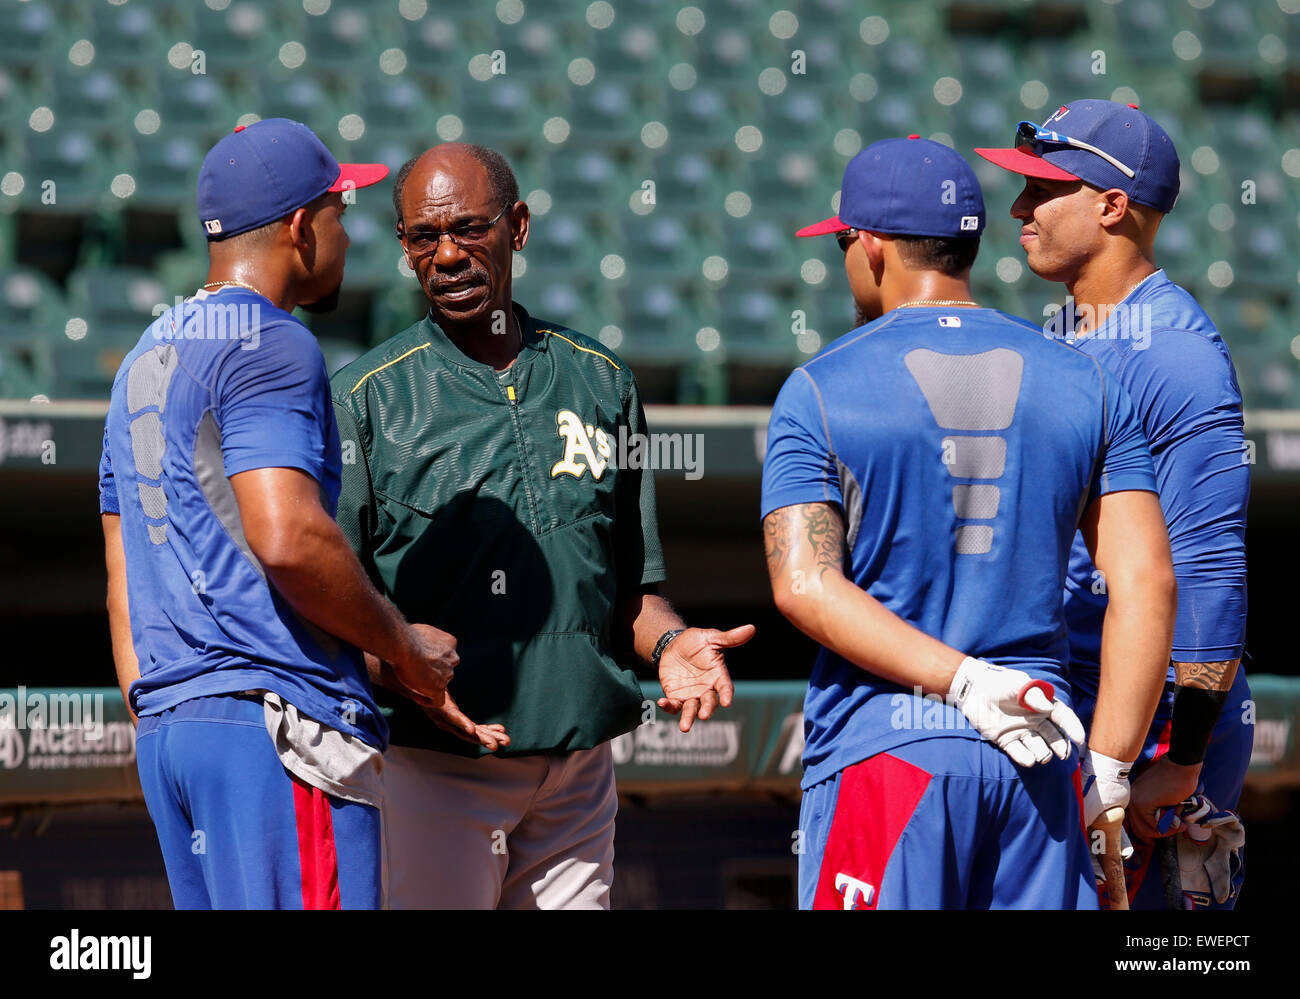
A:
374,252
165,170
236,40
1230,31
661,244
72,160
196,106
123,33
563,241
109,307
649,64
32,37
31,318
93,99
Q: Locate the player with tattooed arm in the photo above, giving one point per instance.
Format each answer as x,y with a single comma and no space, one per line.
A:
925,475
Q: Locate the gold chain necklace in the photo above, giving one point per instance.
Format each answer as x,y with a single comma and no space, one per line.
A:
937,301
238,284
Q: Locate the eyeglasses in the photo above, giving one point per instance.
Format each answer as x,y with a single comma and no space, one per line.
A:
469,234
1029,135
846,238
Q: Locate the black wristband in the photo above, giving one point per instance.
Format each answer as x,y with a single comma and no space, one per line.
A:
662,644
1196,711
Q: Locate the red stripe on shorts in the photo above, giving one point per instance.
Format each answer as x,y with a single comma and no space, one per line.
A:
316,852
875,802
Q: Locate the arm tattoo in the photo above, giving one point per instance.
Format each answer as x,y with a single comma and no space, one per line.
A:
1207,676
825,535
815,524
776,539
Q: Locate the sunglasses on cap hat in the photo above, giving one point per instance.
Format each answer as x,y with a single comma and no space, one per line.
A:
1029,136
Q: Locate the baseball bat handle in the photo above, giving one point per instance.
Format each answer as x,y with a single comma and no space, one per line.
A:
1109,823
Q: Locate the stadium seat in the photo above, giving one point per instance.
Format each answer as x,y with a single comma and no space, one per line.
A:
727,55
633,53
1230,31
123,33
340,42
30,320
301,97
499,112
759,252
605,109
659,243
198,106
374,252
93,99
701,119
565,243
236,40
110,308
799,119
588,181
689,181
165,170
72,161
31,37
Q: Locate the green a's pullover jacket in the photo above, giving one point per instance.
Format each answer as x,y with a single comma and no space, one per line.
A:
489,504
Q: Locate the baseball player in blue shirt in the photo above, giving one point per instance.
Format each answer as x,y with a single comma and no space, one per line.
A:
1099,178
235,604
924,477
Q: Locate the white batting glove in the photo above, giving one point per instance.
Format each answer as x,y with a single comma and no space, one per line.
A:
1105,785
1209,851
1015,712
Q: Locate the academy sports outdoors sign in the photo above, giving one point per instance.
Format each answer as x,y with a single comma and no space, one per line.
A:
66,745
49,753
756,743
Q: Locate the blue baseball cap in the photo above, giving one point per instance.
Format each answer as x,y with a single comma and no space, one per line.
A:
1102,143
907,187
263,171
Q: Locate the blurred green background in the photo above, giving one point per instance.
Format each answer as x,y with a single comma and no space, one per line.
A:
668,153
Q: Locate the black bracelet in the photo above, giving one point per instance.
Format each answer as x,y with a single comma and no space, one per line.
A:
662,644
1196,711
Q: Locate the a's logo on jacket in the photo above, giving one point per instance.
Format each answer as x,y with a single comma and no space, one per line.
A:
582,443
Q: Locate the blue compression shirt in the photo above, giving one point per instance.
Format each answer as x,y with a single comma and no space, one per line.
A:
961,447
1166,352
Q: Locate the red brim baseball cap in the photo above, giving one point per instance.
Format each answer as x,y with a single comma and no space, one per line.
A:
887,188
354,175
832,224
1021,162
264,171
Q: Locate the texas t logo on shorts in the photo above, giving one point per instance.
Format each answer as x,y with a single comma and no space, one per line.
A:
855,892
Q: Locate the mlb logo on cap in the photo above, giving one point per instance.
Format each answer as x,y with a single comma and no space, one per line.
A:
908,187
261,172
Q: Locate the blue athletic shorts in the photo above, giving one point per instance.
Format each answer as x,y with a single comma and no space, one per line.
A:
945,823
237,830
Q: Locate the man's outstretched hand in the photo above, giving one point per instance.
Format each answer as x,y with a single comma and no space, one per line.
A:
450,718
694,674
